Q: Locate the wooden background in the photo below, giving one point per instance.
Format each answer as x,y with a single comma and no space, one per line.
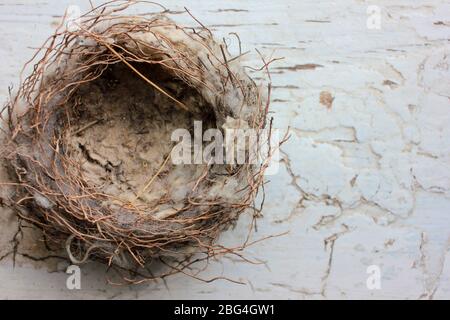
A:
364,180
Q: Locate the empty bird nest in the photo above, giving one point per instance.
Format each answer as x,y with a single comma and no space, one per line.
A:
89,141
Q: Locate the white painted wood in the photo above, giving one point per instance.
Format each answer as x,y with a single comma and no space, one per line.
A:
365,181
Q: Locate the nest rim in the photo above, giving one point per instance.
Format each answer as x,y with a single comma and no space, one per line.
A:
70,219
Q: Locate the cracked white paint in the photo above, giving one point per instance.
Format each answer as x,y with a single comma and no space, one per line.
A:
363,181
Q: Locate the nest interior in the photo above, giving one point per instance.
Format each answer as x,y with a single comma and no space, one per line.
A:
120,134
89,141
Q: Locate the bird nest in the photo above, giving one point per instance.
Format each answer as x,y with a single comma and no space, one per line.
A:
89,138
